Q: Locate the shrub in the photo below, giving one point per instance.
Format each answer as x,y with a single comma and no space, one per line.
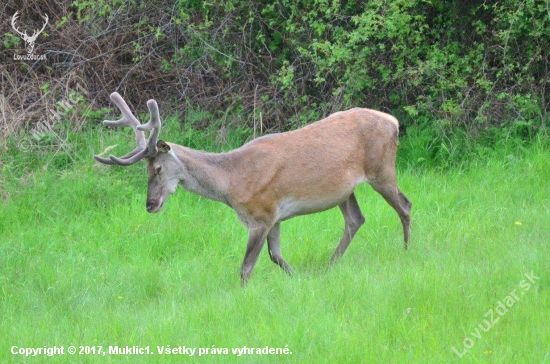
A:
470,65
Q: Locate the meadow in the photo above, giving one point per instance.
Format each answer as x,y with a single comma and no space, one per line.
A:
83,264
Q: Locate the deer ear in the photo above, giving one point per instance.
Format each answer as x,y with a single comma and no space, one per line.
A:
162,146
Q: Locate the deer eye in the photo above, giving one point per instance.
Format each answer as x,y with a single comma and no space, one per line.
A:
158,169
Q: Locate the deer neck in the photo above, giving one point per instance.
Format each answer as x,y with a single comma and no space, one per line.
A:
203,173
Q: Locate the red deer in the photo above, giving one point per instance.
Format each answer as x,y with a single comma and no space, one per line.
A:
276,177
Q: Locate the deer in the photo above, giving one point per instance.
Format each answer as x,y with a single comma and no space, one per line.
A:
29,40
277,176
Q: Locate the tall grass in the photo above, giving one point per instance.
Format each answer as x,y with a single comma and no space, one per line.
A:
83,264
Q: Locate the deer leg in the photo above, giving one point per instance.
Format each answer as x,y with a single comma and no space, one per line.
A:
353,219
406,205
274,246
400,203
256,239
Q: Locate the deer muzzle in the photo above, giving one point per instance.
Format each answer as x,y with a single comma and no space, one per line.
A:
153,206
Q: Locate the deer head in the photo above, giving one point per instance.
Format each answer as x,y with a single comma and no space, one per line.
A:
29,40
161,182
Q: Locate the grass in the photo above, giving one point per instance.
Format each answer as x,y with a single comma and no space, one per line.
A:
83,264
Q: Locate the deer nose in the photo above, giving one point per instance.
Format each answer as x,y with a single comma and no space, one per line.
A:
149,206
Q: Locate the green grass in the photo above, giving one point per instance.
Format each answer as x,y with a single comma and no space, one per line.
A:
82,263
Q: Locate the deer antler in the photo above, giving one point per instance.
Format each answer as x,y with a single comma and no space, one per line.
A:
13,19
144,149
25,36
154,125
36,33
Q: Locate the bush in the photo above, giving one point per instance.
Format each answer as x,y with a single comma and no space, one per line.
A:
471,65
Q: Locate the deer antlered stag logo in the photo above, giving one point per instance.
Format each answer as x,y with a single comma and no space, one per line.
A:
29,40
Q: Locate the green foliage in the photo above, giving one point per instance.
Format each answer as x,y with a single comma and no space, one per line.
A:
432,63
445,65
11,40
455,69
94,117
88,10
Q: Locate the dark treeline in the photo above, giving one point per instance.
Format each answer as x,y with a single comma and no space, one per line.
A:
472,65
